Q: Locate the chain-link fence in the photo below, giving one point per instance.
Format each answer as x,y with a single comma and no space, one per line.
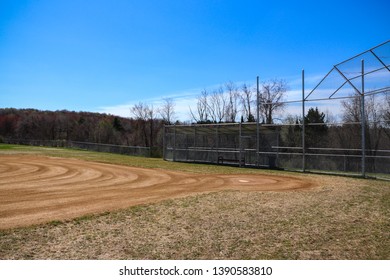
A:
108,148
280,146
341,126
97,147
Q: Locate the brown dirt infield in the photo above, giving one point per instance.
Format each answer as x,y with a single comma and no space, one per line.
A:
35,189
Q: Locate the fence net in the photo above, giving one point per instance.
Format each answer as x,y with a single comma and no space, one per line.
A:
341,126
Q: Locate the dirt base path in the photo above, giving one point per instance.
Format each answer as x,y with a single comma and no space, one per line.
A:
36,189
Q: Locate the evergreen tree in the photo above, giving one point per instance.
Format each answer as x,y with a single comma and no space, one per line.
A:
117,124
315,128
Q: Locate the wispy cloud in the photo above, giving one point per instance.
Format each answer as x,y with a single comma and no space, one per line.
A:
186,99
183,101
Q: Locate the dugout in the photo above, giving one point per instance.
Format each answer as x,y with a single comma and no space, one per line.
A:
236,144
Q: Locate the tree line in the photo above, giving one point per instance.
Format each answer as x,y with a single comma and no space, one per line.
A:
227,103
34,124
145,126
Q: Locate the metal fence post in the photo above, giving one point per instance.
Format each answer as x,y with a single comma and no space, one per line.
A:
240,145
303,123
164,142
363,124
194,151
217,141
174,143
257,123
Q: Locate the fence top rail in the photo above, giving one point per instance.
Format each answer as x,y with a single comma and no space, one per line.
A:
373,48
202,125
348,80
331,149
245,126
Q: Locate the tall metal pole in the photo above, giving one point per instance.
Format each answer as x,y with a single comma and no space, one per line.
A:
303,123
240,144
217,141
257,123
363,123
195,148
174,143
164,142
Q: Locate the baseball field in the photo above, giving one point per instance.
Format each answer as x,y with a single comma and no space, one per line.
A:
73,204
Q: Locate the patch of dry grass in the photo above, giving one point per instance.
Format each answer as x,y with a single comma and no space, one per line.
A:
342,218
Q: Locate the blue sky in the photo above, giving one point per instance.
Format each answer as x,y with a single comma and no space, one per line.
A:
105,55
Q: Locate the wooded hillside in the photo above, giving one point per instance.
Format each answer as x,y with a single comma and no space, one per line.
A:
34,124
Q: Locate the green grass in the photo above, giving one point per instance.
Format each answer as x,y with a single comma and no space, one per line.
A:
128,160
342,218
9,147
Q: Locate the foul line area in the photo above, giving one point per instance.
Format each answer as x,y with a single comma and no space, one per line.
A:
36,189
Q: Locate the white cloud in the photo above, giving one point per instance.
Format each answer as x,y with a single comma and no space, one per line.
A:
188,98
183,101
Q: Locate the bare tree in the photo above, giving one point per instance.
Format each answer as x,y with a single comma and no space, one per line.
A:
217,105
352,109
374,111
386,109
330,117
140,111
201,114
386,114
271,99
145,114
232,105
167,110
374,115
246,102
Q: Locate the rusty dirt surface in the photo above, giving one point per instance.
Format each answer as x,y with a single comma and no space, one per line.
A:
35,190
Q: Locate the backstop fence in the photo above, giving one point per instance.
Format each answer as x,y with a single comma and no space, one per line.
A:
280,147
353,138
